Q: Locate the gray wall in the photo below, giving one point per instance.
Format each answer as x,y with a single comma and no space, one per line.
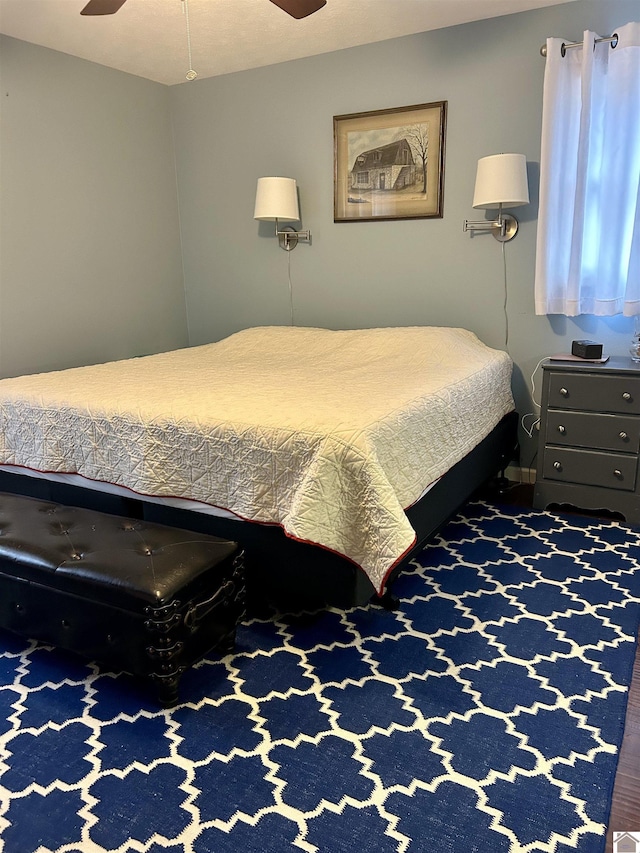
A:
278,121
91,266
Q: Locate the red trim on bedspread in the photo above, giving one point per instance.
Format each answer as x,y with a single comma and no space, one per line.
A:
379,592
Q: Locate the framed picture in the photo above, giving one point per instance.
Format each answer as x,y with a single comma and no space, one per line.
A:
389,164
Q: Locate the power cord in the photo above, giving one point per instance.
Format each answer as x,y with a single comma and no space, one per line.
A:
504,304
290,285
531,429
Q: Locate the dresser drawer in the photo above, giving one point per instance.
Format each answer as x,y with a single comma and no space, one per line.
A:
585,429
594,393
590,467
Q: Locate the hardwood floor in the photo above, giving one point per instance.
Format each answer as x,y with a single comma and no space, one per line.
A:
625,810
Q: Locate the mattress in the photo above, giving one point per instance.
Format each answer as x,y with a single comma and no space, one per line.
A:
329,434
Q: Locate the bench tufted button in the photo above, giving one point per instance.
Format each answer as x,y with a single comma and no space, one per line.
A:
76,556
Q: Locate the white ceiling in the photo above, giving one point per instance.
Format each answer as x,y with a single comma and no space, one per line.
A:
148,38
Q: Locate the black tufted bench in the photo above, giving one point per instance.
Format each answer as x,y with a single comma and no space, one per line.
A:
139,597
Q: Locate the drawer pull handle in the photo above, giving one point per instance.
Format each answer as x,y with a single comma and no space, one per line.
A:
627,397
557,466
565,393
617,473
562,430
623,436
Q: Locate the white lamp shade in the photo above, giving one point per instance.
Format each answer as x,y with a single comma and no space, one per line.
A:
501,179
277,198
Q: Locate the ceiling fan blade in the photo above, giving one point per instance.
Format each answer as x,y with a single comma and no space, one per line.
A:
300,8
102,7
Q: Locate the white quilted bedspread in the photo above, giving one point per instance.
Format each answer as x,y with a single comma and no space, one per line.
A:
329,434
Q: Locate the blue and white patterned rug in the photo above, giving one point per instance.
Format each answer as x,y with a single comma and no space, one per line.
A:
484,715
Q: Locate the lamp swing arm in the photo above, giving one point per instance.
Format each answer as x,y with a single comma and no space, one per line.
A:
289,237
498,224
504,228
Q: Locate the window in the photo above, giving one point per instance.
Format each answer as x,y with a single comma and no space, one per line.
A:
588,251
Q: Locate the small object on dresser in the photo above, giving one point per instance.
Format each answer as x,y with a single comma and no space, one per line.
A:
586,349
567,356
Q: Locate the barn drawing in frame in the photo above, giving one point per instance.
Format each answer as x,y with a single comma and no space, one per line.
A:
389,164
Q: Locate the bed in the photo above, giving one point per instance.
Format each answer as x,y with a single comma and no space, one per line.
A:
324,453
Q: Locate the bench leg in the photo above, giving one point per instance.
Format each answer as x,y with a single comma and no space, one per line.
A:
167,687
227,644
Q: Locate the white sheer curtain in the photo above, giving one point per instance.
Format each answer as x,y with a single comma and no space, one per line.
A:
588,249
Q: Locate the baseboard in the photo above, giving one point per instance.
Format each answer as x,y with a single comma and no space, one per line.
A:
516,474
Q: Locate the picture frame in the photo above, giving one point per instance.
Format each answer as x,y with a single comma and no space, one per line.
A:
389,164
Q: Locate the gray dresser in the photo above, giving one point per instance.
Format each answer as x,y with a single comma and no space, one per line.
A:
590,437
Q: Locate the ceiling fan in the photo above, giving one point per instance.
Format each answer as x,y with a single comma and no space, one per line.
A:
296,8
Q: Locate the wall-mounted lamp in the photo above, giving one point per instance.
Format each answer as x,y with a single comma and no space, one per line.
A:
277,199
501,180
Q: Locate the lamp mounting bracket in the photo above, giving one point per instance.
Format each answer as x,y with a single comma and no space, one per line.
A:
508,230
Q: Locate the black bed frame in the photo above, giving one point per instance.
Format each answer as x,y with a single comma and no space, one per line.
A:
281,572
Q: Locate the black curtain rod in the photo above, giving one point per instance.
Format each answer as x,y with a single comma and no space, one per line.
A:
566,45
